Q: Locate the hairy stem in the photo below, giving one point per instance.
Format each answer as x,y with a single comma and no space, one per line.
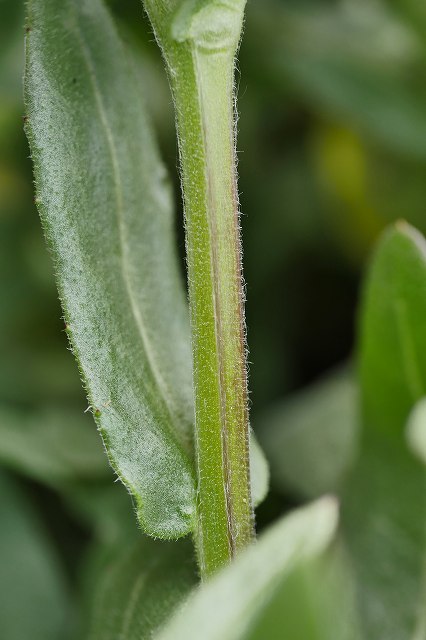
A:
200,58
213,253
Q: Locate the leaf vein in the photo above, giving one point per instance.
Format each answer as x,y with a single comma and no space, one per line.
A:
117,181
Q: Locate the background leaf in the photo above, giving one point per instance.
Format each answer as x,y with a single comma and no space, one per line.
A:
232,604
105,205
136,588
315,602
416,430
357,61
34,601
384,504
52,445
10,53
393,340
259,472
311,438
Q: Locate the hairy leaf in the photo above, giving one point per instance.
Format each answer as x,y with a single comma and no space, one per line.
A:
231,605
104,201
33,592
137,588
311,438
384,505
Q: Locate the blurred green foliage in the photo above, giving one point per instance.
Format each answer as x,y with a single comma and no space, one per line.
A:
332,141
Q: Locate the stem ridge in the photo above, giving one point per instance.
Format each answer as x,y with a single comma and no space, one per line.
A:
199,40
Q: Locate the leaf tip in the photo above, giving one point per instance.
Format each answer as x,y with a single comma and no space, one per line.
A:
403,228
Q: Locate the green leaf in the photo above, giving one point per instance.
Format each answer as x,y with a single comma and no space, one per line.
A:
360,64
384,505
33,593
106,509
11,54
414,13
311,438
62,450
315,602
105,204
231,604
416,430
136,589
51,445
383,521
259,472
393,339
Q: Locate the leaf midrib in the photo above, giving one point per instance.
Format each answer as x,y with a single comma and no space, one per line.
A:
408,352
117,183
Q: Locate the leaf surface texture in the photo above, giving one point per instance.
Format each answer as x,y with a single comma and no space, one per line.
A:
105,204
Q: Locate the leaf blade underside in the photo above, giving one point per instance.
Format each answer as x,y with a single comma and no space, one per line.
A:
105,205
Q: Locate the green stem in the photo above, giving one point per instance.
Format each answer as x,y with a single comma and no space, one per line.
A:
200,58
206,125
